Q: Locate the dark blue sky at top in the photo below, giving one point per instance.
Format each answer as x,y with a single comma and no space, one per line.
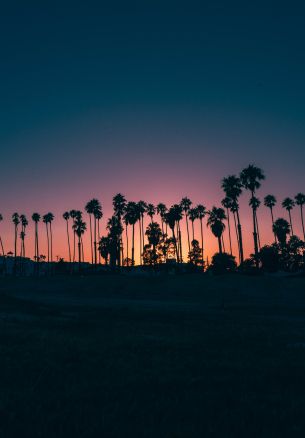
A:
170,69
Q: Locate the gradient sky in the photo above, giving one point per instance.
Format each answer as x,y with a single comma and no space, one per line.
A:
157,100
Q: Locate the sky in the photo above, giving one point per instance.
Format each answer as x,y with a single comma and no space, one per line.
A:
156,100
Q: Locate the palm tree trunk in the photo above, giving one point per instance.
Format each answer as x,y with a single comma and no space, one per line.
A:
48,243
99,238
193,230
143,234
180,242
175,242
302,220
229,230
140,229
74,241
68,235
51,242
272,219
79,254
127,245
95,252
3,255
223,243
241,249
220,245
91,239
188,232
258,236
290,220
201,232
255,237
132,248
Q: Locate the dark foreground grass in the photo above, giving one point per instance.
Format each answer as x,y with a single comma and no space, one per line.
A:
188,356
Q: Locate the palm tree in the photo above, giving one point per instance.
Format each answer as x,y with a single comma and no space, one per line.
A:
119,207
193,215
36,219
215,222
170,219
115,232
93,208
73,217
50,220
201,211
161,210
79,227
270,202
251,178
281,229
89,207
24,224
45,220
16,222
132,216
288,204
178,213
186,205
232,187
98,214
227,204
300,200
66,217
154,234
142,208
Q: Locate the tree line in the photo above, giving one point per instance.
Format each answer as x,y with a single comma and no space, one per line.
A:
161,240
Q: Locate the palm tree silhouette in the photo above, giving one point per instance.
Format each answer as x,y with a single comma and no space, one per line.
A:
142,208
232,187
24,224
119,207
215,222
300,200
45,220
288,204
281,229
251,178
154,235
79,227
170,219
270,202
132,216
66,217
36,219
178,213
94,209
161,210
73,217
98,214
125,220
201,211
227,204
186,205
115,229
193,215
16,222
89,207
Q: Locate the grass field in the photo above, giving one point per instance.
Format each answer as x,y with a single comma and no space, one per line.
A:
176,356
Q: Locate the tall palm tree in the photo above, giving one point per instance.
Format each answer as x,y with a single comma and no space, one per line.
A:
300,200
80,227
178,214
288,204
98,214
50,220
281,229
93,208
270,202
251,178
73,217
201,211
119,207
66,217
170,219
104,248
232,187
126,222
193,215
24,224
227,204
36,219
186,205
132,216
142,208
215,222
16,222
161,210
45,220
89,207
